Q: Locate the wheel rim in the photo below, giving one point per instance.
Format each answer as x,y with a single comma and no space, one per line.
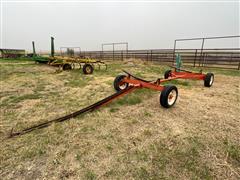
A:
122,86
172,96
211,80
88,70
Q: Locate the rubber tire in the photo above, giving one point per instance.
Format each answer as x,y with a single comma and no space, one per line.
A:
116,82
164,96
167,74
85,66
207,79
67,67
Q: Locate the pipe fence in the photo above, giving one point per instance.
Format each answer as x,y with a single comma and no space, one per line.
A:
226,58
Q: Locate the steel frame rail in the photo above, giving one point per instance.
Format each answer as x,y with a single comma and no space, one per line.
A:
184,74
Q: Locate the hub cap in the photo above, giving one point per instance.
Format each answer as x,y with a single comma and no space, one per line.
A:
172,97
123,86
88,69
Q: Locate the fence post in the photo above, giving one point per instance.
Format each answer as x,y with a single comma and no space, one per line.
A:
151,55
113,51
122,55
201,57
174,50
147,55
194,64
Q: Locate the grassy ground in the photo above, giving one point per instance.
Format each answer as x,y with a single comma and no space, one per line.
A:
131,138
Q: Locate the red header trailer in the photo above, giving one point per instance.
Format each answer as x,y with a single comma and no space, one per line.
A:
178,73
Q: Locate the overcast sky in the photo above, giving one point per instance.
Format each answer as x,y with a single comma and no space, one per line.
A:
143,25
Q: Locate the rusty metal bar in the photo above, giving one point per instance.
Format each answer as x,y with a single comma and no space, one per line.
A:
77,113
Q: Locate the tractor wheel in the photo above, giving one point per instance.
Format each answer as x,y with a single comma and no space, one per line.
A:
117,83
209,78
167,74
168,96
67,67
87,69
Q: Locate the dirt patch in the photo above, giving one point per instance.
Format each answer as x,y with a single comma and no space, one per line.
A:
134,61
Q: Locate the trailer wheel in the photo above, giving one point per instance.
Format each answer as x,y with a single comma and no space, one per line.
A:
67,67
118,86
167,74
169,96
87,69
209,79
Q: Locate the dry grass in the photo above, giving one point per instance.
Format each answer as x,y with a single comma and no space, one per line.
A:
131,138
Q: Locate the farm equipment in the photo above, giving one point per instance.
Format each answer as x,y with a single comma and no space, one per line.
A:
178,73
123,84
68,63
168,94
127,83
